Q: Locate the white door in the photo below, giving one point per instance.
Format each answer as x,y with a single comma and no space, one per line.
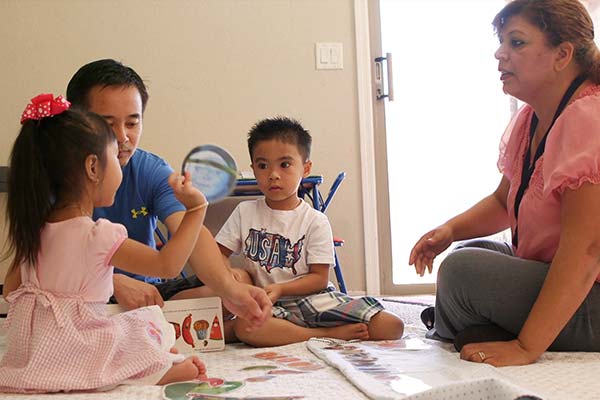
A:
444,126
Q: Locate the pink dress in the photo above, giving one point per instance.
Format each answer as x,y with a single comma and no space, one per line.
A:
59,335
571,158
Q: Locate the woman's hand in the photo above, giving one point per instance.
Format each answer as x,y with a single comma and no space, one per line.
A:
498,354
428,247
187,194
273,291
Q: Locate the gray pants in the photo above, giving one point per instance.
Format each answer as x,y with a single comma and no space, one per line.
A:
481,282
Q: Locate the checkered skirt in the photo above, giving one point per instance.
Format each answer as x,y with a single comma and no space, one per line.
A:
61,343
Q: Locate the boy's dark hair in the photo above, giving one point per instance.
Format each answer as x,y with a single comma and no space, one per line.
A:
285,129
47,167
103,73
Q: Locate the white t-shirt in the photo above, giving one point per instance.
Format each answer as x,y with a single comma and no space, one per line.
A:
278,245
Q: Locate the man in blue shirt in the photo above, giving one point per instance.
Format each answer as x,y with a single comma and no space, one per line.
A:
117,93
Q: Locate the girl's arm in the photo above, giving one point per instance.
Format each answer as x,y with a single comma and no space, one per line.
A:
311,283
12,281
138,258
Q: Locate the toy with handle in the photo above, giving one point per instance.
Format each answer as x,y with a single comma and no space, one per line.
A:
214,171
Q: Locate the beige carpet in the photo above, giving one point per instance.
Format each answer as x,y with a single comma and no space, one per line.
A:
408,308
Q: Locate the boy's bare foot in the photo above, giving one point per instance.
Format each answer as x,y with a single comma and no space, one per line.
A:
190,368
229,330
348,332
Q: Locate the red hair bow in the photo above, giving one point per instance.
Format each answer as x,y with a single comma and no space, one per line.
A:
44,105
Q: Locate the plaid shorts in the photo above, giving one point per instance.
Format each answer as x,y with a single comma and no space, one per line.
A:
327,308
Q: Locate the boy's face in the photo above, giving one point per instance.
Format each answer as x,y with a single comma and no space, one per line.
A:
121,106
279,168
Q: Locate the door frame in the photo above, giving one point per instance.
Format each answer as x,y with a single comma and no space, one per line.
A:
374,164
366,110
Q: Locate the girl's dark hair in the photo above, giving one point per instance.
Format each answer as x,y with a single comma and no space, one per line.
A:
285,129
561,21
47,166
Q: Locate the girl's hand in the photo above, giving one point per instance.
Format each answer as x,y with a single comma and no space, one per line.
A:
428,247
273,291
131,293
187,194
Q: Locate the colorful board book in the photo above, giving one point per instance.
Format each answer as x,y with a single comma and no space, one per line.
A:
198,323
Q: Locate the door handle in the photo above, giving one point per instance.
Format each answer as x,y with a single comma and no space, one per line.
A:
379,81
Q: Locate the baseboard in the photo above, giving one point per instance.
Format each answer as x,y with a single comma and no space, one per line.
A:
357,293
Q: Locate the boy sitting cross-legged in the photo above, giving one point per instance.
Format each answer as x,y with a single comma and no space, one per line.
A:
288,250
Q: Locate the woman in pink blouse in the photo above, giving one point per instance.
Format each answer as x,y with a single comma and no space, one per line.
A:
506,304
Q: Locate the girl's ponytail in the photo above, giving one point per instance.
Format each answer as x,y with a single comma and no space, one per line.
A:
47,169
30,195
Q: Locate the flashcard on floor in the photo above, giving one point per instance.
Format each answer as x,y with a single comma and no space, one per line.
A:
211,389
408,343
192,390
198,323
288,361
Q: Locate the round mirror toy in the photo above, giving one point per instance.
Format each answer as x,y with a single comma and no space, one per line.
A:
214,171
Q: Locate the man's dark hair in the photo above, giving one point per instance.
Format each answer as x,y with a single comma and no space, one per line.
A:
103,73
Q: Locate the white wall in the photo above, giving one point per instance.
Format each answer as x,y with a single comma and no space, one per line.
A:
213,68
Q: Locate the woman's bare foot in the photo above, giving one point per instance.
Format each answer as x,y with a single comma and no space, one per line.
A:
188,369
347,332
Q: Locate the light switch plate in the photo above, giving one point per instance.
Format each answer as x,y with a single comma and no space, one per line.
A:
329,55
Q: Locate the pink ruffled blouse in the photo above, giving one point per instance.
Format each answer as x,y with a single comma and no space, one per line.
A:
571,158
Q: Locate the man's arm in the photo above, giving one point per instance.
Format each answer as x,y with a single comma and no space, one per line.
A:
206,259
246,301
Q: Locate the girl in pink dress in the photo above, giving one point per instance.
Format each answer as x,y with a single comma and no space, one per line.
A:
63,164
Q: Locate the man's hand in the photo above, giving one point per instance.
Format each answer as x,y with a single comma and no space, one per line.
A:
131,293
273,291
237,274
248,302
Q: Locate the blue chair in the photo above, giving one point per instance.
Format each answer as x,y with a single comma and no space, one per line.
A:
337,241
332,191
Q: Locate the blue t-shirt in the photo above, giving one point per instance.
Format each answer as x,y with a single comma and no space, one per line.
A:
143,198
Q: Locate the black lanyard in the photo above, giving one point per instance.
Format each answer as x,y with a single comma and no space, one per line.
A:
528,166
